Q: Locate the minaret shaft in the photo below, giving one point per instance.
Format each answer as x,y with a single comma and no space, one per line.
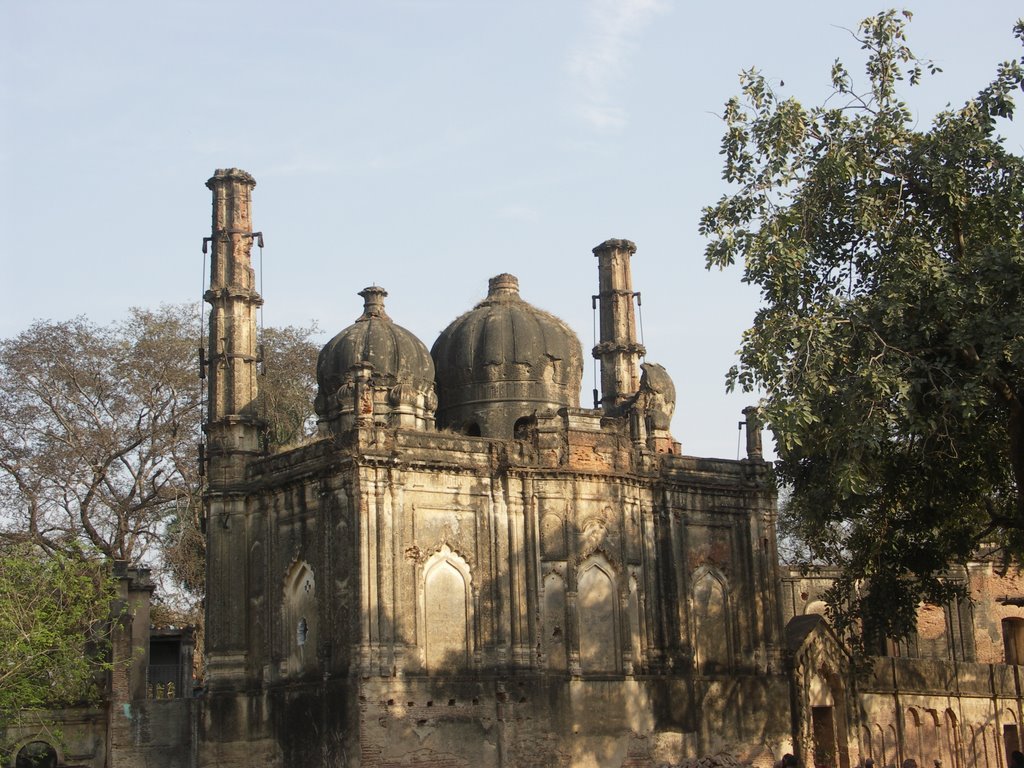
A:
618,349
233,424
232,428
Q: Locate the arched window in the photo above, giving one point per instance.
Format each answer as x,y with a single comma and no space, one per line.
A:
598,617
300,618
710,621
1013,640
952,747
447,612
882,747
912,730
1011,736
523,427
868,747
36,754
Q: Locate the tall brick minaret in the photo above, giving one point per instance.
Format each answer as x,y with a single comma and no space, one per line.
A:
618,349
232,424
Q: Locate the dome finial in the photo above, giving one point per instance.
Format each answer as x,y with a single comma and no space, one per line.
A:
503,285
373,303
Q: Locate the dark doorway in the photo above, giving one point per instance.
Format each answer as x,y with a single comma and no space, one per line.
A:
36,754
1011,741
824,732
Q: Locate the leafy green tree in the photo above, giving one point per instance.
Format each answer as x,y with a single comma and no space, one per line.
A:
889,347
55,627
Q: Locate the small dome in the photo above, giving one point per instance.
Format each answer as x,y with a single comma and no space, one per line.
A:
504,361
400,361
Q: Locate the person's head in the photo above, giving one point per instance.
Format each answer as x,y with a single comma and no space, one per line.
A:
789,761
910,763
869,763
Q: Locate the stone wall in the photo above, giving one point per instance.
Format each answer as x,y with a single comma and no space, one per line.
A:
563,599
959,713
156,733
518,721
945,693
77,735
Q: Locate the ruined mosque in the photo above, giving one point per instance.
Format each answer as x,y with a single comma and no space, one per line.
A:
468,569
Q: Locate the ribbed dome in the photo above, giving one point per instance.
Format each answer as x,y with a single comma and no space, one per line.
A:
399,359
392,350
503,361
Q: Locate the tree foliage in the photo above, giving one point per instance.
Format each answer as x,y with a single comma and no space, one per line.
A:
288,385
55,626
889,347
99,427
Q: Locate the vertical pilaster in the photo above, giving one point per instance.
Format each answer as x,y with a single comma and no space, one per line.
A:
518,510
385,572
531,556
618,349
501,494
572,556
370,513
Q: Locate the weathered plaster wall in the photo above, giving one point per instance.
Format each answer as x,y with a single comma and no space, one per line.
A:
541,602
990,582
152,733
930,711
77,735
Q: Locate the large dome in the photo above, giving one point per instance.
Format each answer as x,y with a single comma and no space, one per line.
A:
402,371
502,362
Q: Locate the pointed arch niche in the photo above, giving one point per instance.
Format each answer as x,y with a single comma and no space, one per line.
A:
597,599
300,618
446,612
709,601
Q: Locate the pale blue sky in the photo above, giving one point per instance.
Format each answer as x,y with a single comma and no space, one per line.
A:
421,145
